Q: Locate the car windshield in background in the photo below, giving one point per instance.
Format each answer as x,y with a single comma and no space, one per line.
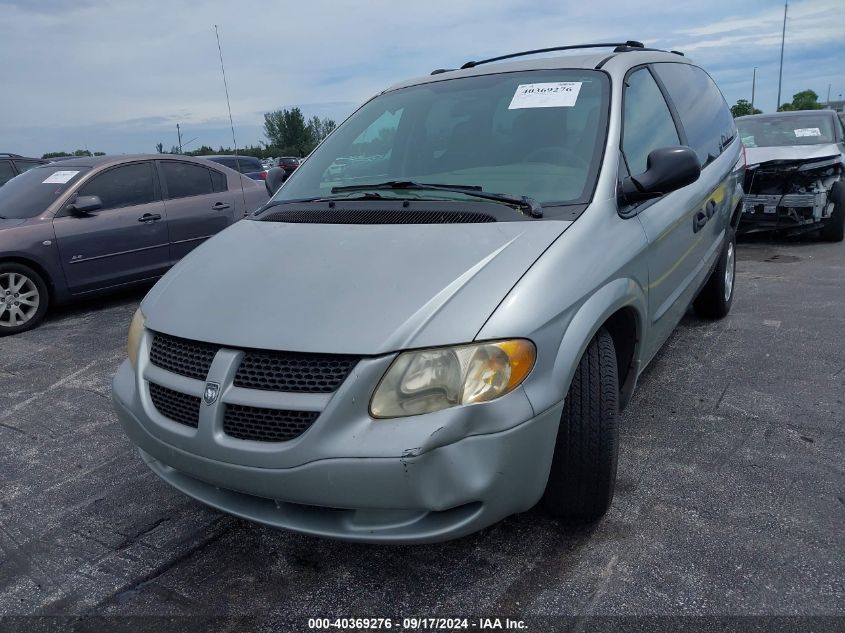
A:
534,133
27,195
786,130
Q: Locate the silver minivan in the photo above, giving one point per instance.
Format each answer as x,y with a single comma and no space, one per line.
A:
442,331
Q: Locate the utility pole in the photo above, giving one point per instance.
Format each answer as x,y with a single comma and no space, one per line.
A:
753,86
827,103
782,40
179,134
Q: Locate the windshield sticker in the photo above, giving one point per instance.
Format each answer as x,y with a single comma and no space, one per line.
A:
808,131
59,177
560,94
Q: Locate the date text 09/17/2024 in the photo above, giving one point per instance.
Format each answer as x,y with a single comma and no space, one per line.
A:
418,624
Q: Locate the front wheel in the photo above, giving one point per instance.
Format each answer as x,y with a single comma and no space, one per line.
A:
715,299
583,472
23,298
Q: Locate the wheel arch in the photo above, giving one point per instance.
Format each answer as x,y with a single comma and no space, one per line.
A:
620,306
37,267
624,327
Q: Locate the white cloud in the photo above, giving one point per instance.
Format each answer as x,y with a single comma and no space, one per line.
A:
76,65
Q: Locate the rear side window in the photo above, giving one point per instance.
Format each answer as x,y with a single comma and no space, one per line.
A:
218,181
124,186
648,123
701,107
185,180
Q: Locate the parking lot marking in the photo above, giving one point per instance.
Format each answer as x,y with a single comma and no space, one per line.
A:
59,383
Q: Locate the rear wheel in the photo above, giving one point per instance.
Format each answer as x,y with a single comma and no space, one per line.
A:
834,228
715,299
583,472
23,298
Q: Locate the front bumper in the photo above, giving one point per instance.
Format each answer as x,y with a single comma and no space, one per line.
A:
783,212
425,491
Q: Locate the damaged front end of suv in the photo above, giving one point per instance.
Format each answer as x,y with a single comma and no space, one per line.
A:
795,180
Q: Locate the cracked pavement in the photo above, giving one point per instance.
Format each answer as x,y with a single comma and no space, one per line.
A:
730,498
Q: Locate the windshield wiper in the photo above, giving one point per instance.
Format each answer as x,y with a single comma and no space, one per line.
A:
3,217
535,210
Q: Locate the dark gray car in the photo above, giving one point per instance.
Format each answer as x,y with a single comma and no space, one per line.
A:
13,164
92,224
247,165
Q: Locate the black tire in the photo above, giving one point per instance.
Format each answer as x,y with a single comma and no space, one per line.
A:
11,274
583,472
716,297
834,228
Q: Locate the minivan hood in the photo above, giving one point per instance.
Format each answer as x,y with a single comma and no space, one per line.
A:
353,289
759,155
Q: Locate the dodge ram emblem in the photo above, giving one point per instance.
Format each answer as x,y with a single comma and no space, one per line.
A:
211,391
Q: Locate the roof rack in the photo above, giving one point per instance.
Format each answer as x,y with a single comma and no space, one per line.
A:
10,155
618,47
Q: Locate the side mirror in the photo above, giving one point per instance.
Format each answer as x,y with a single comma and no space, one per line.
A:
86,204
275,178
668,169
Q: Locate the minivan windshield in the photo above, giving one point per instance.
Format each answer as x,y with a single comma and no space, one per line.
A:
534,133
777,131
29,194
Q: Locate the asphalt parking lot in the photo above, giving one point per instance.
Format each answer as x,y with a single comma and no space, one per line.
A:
730,501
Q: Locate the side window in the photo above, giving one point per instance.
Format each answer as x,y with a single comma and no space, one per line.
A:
6,171
185,180
648,123
701,107
124,186
218,181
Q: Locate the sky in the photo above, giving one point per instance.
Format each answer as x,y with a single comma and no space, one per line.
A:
118,76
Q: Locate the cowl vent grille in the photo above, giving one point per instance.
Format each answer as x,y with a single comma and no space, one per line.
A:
372,216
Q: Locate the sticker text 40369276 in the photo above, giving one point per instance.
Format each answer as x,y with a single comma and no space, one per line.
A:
559,94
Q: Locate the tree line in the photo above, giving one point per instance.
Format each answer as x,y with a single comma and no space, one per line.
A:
287,131
804,100
79,152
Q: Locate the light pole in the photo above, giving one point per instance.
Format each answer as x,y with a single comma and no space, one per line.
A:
753,86
782,40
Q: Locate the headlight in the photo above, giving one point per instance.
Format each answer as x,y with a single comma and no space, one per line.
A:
429,380
136,329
